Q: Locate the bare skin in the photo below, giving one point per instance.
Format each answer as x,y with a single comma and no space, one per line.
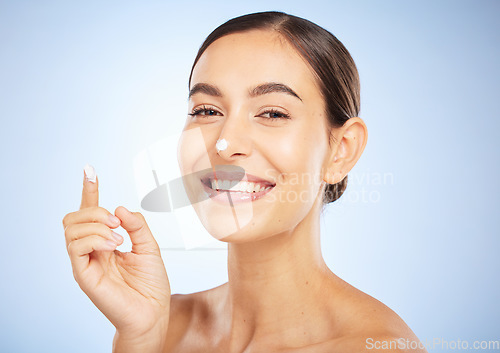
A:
280,295
202,322
286,301
130,288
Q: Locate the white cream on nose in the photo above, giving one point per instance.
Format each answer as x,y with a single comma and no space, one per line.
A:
221,145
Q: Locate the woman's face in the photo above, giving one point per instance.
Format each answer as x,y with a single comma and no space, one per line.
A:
256,92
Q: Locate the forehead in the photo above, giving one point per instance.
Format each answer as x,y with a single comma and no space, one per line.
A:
252,57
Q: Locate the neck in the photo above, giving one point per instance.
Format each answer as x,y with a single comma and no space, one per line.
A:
275,284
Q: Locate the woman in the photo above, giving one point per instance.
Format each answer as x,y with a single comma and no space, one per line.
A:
275,99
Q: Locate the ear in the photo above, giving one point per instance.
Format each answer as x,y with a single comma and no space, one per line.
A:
349,143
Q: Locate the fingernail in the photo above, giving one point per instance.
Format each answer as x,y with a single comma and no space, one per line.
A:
117,236
90,173
113,219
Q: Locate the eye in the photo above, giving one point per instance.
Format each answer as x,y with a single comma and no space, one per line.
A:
204,111
274,114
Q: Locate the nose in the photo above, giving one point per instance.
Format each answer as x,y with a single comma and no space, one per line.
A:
236,132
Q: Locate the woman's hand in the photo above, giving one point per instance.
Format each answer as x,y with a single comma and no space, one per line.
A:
131,289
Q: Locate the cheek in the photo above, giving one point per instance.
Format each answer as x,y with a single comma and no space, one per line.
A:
193,161
185,155
298,155
192,154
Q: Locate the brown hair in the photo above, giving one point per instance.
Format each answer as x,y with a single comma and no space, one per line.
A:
330,61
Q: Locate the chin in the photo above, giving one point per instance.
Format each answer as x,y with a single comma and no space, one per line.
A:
224,228
230,225
247,235
223,222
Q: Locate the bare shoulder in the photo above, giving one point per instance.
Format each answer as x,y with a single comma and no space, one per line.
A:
366,324
362,323
190,322
182,307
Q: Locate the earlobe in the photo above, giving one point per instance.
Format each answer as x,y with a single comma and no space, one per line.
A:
334,173
352,137
334,177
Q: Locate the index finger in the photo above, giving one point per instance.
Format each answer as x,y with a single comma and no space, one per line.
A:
90,192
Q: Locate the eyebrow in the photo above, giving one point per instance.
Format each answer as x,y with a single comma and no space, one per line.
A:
264,88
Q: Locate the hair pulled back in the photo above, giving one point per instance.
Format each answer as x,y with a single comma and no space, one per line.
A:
333,66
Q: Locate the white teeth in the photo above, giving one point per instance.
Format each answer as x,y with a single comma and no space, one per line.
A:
255,188
237,186
242,186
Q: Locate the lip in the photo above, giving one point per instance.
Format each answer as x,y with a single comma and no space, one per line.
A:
238,176
233,197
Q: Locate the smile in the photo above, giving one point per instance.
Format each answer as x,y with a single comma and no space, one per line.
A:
238,187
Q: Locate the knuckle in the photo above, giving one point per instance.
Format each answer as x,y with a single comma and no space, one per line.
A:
68,229
66,220
71,248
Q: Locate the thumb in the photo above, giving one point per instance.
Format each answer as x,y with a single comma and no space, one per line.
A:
135,224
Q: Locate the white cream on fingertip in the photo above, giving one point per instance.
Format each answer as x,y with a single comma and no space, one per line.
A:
90,173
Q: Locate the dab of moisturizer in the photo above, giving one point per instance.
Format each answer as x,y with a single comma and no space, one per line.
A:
90,173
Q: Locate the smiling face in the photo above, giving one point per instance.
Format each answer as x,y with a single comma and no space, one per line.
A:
256,92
